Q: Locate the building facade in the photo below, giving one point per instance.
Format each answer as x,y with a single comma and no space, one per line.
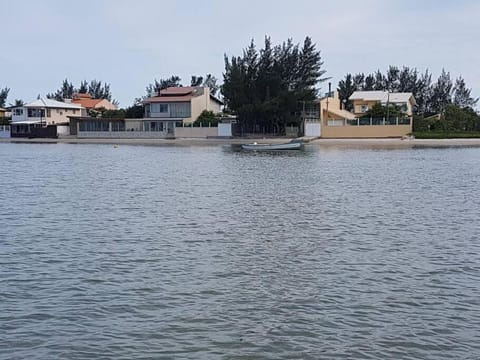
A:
42,113
336,122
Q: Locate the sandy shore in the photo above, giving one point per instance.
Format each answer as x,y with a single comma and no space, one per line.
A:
376,143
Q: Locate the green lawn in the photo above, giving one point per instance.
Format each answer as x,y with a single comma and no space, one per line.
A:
445,135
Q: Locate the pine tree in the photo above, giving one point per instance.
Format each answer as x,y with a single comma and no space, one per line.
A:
196,80
441,94
462,95
3,96
83,89
345,89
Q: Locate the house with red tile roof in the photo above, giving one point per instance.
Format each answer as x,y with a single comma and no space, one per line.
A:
88,102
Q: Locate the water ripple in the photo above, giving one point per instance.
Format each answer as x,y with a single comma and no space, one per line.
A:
212,253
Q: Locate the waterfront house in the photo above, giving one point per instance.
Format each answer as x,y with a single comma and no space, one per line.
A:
337,122
43,118
169,114
86,101
3,113
364,100
175,105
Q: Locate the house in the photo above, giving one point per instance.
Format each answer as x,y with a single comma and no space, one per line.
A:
89,103
175,105
3,113
337,122
42,117
364,101
166,115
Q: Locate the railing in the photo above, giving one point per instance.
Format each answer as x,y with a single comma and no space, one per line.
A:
372,121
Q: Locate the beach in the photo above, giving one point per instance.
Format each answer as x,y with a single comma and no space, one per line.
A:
380,143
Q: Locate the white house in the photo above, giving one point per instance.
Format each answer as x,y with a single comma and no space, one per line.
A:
42,113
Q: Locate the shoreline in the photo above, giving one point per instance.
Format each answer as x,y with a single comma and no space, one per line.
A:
377,143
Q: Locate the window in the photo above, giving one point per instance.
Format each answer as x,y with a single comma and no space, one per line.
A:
159,108
18,112
36,113
118,126
49,113
363,108
94,125
74,111
154,126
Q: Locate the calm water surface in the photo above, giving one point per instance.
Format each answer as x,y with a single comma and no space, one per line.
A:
212,253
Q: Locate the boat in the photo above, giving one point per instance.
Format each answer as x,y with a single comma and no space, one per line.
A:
293,145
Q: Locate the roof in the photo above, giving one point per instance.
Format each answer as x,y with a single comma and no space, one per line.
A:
2,109
86,102
382,96
168,99
49,103
178,90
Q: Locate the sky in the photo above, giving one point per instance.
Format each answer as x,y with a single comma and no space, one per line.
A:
130,43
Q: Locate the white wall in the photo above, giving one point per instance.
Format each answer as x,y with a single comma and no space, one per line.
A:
312,129
225,129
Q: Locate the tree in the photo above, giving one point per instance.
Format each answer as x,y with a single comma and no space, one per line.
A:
462,95
380,111
345,89
207,118
65,92
265,87
3,96
211,82
154,89
441,94
83,89
17,102
97,90
196,80
135,111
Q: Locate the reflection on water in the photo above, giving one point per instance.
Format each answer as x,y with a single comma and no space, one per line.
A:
210,252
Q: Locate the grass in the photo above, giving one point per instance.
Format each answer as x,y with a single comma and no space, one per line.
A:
445,135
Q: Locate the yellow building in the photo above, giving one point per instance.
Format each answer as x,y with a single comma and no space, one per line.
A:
336,122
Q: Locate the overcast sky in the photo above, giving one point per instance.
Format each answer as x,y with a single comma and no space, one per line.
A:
129,43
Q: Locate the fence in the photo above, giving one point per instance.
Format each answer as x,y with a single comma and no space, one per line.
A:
4,131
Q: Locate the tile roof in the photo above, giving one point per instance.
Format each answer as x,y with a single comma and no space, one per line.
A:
178,90
166,99
86,102
49,103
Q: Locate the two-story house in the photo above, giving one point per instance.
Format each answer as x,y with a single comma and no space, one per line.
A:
42,113
177,105
364,100
336,122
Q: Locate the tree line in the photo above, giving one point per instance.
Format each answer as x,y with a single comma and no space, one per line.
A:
97,89
432,97
264,87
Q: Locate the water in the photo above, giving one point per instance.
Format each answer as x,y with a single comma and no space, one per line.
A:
212,253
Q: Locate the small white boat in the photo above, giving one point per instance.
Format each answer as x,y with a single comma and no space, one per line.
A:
293,145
